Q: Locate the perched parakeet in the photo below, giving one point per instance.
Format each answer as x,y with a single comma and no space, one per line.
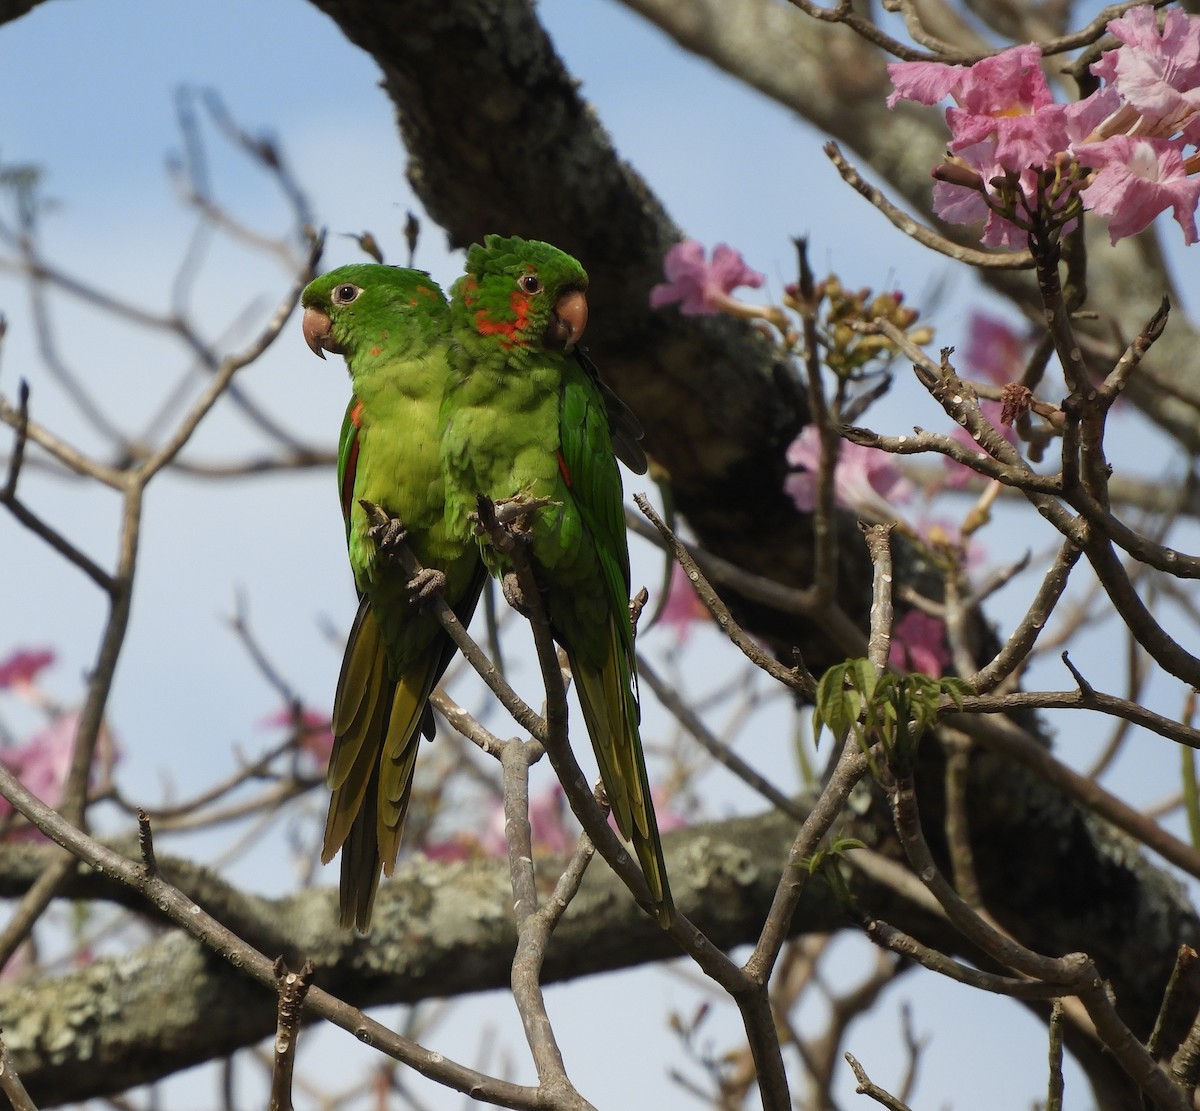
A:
523,417
392,327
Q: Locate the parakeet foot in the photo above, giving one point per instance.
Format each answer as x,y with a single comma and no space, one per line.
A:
387,536
510,587
386,531
426,583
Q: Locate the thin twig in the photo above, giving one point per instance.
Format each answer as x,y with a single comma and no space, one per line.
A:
292,987
797,678
1054,1095
1075,972
970,256
225,943
10,1083
1173,997
825,538
867,1087
720,752
531,937
22,436
146,843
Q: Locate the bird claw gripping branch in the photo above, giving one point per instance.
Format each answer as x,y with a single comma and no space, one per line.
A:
425,584
386,531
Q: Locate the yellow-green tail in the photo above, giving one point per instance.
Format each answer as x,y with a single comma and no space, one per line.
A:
377,731
610,711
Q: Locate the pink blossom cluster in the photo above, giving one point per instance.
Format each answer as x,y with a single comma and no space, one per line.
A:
995,350
703,287
866,480
919,644
20,671
1126,152
42,762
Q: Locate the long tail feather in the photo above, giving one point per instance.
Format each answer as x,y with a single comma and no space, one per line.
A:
372,764
610,711
360,863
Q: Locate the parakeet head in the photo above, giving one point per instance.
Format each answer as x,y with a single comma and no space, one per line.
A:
366,303
525,293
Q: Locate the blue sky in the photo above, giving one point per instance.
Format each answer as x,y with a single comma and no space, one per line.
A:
730,167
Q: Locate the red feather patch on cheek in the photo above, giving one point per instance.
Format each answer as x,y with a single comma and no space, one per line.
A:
469,286
512,332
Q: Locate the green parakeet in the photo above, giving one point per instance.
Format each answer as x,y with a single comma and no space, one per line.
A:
392,327
524,417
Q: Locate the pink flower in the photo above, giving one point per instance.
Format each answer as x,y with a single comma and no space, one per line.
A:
1015,152
924,82
1009,83
1156,73
1004,98
994,349
22,667
1087,119
313,728
460,846
959,203
42,764
865,480
702,288
959,474
919,644
683,609
1138,179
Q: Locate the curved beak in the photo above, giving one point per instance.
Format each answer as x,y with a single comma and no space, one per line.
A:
318,332
568,321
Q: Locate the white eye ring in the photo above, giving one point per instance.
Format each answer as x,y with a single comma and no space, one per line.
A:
345,293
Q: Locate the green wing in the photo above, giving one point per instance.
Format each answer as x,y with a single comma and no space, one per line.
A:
589,606
347,461
625,428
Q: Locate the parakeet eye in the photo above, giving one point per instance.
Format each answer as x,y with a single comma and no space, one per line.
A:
530,283
344,294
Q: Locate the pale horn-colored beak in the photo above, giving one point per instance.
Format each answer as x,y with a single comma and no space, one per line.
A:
318,332
569,320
